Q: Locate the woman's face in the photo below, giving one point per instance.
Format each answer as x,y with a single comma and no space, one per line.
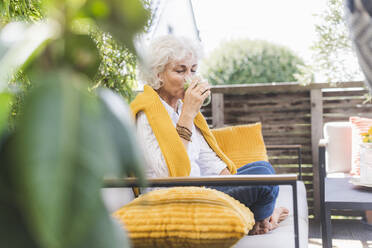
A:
174,75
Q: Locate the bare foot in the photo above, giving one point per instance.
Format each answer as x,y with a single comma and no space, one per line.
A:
279,214
261,227
270,223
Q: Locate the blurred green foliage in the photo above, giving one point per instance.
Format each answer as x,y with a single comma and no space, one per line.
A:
250,61
20,10
20,86
67,139
117,70
333,56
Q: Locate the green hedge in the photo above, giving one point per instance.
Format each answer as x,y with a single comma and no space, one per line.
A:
251,61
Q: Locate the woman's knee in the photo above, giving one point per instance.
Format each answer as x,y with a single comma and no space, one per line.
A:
264,164
259,167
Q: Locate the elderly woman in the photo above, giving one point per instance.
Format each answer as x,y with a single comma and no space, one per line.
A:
176,136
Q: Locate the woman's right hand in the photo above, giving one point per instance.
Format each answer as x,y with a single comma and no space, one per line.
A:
194,97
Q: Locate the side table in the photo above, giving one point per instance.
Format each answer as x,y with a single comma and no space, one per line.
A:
340,194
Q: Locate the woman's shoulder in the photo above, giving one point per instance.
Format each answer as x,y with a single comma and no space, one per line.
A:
141,117
143,126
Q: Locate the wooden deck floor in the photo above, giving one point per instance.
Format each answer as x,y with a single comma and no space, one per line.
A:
346,234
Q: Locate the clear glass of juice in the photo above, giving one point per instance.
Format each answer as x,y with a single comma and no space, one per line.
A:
199,79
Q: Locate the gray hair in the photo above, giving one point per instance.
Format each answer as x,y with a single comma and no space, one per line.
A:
162,51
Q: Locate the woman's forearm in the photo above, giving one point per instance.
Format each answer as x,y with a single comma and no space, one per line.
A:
185,121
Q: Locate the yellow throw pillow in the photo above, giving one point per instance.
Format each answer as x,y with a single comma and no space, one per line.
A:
185,217
242,144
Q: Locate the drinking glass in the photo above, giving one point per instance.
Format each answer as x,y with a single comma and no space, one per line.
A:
199,79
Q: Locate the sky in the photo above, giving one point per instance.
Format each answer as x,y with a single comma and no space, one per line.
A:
286,22
290,23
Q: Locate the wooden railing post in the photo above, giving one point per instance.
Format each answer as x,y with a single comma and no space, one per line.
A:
316,135
217,110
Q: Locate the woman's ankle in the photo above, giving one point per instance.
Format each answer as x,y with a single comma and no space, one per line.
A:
369,216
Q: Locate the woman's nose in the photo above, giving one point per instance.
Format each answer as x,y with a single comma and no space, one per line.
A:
188,73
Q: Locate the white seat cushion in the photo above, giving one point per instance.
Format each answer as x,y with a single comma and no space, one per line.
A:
115,198
283,236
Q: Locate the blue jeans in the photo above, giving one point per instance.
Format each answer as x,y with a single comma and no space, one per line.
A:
260,199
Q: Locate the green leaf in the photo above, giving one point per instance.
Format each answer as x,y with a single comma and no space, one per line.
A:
120,123
114,235
13,231
65,148
81,53
5,99
47,139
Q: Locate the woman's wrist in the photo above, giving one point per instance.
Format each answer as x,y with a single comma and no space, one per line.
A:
184,127
186,120
184,132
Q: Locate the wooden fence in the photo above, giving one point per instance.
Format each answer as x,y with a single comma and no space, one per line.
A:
290,114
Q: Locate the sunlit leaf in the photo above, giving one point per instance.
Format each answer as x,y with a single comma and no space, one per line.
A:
5,99
20,45
118,66
100,8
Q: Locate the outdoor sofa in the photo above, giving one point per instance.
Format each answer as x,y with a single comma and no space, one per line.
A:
117,193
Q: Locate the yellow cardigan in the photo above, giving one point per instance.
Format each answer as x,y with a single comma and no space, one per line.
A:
170,143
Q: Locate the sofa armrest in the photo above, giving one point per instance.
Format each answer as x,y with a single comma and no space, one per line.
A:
228,180
322,146
290,147
323,142
322,167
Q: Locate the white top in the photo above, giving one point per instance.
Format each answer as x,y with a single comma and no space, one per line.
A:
204,161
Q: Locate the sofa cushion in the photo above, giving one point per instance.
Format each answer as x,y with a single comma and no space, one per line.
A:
338,153
242,144
185,217
115,198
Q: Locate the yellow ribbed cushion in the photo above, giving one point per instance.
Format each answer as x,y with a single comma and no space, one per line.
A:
242,144
185,217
